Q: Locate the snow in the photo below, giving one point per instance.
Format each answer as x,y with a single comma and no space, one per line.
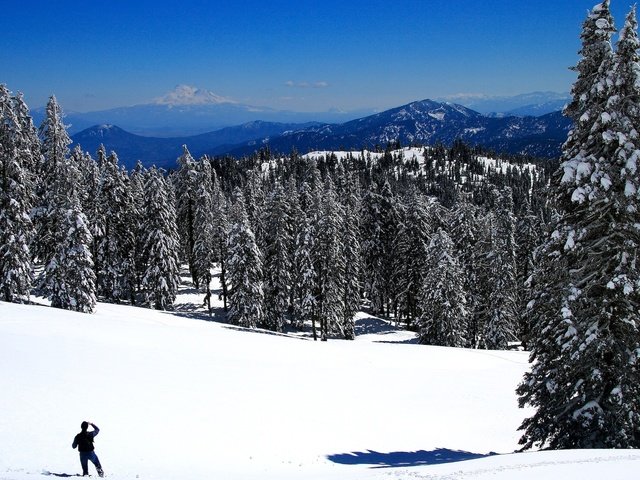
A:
177,396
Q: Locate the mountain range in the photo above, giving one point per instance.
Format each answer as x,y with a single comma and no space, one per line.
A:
422,122
187,111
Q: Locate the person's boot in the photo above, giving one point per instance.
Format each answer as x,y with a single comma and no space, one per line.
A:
100,472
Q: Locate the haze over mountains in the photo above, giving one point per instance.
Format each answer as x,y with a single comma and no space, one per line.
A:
422,122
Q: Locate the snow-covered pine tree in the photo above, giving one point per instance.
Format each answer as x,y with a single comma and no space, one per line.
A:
304,275
277,259
185,183
55,148
16,229
137,182
443,299
465,233
68,279
351,254
244,268
529,235
29,145
328,262
220,233
380,221
585,378
501,318
255,199
413,244
115,246
204,238
162,275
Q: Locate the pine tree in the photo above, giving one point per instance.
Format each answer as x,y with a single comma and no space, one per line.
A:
277,259
116,245
500,324
186,185
304,280
413,244
204,238
162,275
329,264
443,299
220,233
16,229
585,378
68,279
352,263
244,263
55,149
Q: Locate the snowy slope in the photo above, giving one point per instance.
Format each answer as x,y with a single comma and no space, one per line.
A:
177,397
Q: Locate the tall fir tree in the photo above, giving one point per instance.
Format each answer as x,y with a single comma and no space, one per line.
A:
185,183
16,229
304,274
204,238
328,262
68,279
443,299
162,275
55,149
277,259
351,255
585,377
244,264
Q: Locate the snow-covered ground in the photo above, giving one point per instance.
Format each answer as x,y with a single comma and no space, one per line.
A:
180,397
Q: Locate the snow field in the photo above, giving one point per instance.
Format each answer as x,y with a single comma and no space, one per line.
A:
178,397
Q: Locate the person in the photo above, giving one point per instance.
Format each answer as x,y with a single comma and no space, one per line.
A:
84,442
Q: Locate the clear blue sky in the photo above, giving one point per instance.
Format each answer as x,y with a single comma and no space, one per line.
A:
300,55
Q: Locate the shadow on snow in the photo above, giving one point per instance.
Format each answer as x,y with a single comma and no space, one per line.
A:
405,459
62,475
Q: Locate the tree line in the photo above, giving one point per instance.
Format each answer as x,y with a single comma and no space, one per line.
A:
298,242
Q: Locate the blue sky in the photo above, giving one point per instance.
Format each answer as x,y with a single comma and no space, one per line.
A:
299,55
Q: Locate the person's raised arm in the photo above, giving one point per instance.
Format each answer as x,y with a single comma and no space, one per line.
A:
96,430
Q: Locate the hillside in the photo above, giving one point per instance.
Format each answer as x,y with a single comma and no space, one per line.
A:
427,122
163,152
178,397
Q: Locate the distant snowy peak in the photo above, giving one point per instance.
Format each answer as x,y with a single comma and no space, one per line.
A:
188,95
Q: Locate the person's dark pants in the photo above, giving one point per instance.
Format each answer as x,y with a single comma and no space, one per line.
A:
84,461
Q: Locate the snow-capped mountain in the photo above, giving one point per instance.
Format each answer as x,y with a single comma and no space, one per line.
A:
189,110
425,122
428,122
189,95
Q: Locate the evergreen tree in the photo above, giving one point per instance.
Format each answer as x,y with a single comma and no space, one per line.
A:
220,233
277,259
500,324
116,245
304,280
585,378
443,299
204,239
328,262
413,244
16,229
68,279
244,264
162,275
186,186
55,149
352,264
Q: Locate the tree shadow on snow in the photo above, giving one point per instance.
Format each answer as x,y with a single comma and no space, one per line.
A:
405,459
378,326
